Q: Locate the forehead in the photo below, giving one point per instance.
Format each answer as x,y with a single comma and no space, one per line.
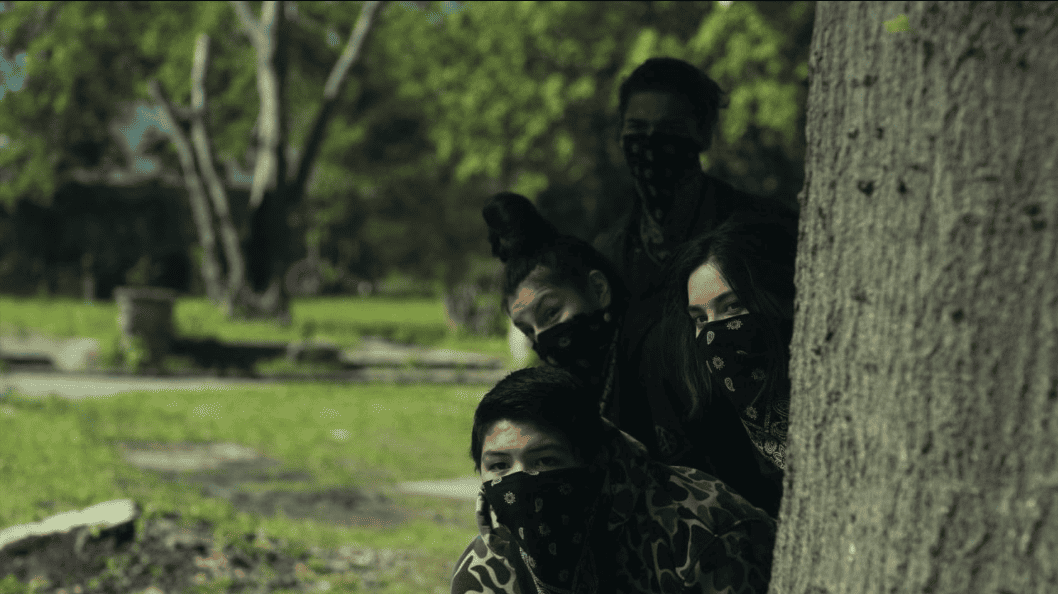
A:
517,435
529,290
705,284
656,106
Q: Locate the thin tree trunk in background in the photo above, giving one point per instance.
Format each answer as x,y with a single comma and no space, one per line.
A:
269,231
212,275
262,35
200,140
331,93
924,428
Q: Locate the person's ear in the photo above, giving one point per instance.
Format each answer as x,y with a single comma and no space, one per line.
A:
600,288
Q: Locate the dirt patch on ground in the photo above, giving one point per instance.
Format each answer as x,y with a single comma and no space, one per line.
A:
242,476
167,556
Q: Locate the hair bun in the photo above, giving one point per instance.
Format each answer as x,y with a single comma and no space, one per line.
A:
515,226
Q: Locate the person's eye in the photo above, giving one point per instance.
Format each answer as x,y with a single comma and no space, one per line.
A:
550,314
548,461
700,321
496,466
734,306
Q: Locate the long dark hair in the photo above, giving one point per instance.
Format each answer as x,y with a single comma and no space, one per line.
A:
522,239
755,253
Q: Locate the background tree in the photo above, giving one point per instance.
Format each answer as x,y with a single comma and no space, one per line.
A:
526,93
269,209
923,437
453,102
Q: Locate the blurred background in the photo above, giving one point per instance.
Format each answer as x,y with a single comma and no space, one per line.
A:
446,104
293,190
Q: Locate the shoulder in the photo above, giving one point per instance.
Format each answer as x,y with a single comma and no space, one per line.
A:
481,570
726,542
713,501
730,200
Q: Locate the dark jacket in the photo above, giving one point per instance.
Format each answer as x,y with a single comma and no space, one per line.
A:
649,400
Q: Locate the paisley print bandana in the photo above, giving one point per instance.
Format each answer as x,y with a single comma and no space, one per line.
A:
735,353
550,515
657,162
656,529
580,345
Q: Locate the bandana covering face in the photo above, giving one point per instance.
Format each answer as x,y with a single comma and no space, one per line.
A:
657,162
656,529
550,515
580,345
735,353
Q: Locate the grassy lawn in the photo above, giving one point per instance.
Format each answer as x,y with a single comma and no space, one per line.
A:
61,455
342,320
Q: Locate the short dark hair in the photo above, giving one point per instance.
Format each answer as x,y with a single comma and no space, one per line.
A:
755,253
672,75
522,239
550,398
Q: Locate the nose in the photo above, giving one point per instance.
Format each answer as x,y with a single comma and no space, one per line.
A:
516,466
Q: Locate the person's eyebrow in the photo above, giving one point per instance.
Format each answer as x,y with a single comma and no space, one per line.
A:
545,295
547,445
534,304
695,309
725,298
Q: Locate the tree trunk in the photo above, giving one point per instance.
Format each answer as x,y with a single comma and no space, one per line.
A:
331,93
200,140
923,452
212,274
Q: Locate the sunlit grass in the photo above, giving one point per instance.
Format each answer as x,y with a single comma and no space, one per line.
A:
62,455
341,320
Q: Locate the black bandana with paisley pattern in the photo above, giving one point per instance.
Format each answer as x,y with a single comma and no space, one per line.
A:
658,162
580,345
551,516
735,353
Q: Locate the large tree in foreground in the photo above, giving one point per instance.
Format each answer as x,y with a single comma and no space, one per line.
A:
924,432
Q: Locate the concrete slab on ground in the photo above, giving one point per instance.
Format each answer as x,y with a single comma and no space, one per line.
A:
463,488
78,386
66,354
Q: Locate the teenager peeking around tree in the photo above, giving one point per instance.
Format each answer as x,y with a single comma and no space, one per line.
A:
733,292
568,503
669,111
559,291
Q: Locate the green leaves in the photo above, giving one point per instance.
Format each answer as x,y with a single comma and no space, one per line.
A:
502,95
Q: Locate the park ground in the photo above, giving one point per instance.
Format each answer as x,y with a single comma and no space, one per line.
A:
288,487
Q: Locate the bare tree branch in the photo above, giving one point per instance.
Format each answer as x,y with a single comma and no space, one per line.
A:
331,93
268,84
199,205
200,139
249,23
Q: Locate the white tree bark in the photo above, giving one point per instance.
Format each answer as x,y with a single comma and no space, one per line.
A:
200,139
211,270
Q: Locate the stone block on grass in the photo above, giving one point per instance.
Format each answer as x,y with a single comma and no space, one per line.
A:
69,543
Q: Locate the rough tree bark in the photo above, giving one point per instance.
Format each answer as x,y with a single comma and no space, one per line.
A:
924,431
271,196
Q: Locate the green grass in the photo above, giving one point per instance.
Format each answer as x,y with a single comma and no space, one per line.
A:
61,455
342,320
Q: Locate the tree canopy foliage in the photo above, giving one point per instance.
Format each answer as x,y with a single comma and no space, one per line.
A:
449,103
